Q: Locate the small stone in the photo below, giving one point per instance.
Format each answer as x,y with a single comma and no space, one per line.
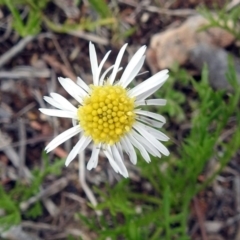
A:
175,45
217,61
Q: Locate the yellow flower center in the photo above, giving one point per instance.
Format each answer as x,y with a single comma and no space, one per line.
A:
107,114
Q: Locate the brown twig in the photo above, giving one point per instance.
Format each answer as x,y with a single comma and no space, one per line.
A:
178,12
50,227
8,31
54,188
25,109
51,207
28,141
22,149
25,72
59,67
12,155
153,9
89,37
61,53
16,232
74,197
237,201
15,50
200,218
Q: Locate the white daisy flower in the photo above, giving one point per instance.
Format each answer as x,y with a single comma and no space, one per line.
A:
109,114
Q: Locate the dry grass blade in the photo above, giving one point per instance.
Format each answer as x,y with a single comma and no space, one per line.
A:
54,188
15,50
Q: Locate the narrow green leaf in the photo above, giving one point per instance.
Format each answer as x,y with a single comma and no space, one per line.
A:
101,8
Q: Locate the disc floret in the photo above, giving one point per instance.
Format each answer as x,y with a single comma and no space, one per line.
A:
107,114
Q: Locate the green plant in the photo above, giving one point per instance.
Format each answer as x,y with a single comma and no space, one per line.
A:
10,212
223,18
29,17
11,199
101,8
163,213
176,99
32,24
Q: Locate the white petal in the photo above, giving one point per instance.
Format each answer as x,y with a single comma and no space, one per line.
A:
73,89
93,161
74,122
117,64
128,148
150,122
155,102
158,78
109,156
149,147
151,139
142,73
64,136
52,102
120,150
104,75
80,146
83,85
157,134
101,65
66,105
131,65
139,146
94,63
58,113
119,161
134,72
148,93
96,161
151,114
